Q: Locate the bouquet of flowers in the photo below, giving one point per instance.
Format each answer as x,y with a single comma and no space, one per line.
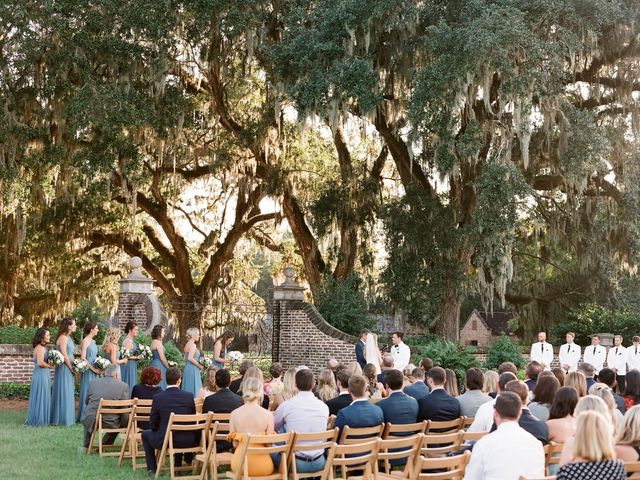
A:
172,363
124,352
101,363
80,366
144,352
54,358
235,356
204,361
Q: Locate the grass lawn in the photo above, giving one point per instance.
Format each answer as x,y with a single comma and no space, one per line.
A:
27,452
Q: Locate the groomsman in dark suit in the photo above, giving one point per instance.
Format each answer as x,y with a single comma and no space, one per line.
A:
418,389
360,356
344,397
398,407
172,400
439,405
361,412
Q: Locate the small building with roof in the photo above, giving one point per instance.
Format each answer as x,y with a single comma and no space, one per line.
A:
483,328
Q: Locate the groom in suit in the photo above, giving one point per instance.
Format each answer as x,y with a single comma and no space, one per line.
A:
361,412
360,356
172,400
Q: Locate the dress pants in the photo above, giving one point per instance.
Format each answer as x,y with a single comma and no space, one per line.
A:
107,438
151,443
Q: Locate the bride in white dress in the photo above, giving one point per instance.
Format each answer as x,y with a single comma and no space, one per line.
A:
372,352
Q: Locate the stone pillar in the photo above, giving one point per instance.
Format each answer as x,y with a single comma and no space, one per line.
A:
283,296
134,298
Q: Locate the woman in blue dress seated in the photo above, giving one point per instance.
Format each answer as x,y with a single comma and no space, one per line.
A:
40,394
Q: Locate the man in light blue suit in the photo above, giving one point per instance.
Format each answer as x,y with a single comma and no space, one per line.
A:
361,412
418,389
398,407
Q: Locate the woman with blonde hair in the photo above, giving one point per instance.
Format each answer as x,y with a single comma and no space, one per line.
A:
191,380
289,389
628,444
592,453
604,392
110,346
354,368
375,388
451,382
327,388
578,381
209,385
255,373
248,419
490,384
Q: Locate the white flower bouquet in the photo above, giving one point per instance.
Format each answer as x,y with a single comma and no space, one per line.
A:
172,363
204,361
55,358
125,352
235,356
144,352
80,366
101,363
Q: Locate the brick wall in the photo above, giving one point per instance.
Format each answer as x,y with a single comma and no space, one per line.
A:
16,363
481,334
135,307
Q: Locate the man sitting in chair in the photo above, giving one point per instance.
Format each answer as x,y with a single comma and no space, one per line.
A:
108,387
172,400
361,413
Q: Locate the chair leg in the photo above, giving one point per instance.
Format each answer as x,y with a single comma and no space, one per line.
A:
172,465
160,460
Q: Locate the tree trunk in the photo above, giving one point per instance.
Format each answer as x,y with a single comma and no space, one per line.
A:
448,322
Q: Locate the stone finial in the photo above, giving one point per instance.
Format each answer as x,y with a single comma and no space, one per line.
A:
289,273
136,281
289,289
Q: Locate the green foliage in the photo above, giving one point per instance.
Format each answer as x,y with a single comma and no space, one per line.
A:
88,311
447,354
171,352
503,350
342,304
17,335
15,390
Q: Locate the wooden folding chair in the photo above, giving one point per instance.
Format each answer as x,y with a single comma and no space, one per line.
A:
454,467
133,439
633,469
212,459
355,456
264,444
448,426
552,452
306,442
398,448
331,422
392,430
466,422
439,445
472,436
358,435
198,423
199,402
110,407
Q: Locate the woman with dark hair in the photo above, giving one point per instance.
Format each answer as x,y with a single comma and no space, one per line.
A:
560,374
543,395
40,393
632,389
158,360
130,369
220,348
62,398
88,353
560,423
275,386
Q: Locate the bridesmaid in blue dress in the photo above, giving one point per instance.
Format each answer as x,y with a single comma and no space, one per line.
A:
88,353
110,348
130,369
63,404
220,348
191,378
158,360
40,394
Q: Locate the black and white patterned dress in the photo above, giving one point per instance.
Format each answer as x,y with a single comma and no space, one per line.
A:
607,470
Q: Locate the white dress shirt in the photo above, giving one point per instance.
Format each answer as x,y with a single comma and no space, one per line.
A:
303,413
483,420
506,454
542,352
617,358
595,355
569,354
633,357
401,356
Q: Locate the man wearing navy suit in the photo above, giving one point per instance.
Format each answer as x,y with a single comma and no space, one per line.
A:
224,400
398,407
418,389
439,405
172,400
361,412
344,397
360,357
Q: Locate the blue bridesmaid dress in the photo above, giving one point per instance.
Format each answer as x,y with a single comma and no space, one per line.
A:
62,399
191,380
40,396
87,377
157,363
223,355
130,370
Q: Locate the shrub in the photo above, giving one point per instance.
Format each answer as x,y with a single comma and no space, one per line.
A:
342,304
447,354
87,311
503,350
15,390
171,352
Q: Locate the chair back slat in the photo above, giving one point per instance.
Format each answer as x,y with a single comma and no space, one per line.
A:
392,429
355,454
441,444
360,435
143,402
466,422
453,467
321,440
633,469
472,436
447,426
331,422
395,448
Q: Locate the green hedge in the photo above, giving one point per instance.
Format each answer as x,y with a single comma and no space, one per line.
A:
14,390
17,335
504,350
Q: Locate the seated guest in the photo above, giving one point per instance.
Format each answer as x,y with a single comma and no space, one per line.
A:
471,400
439,405
251,418
304,413
224,400
149,386
333,364
426,364
531,373
171,400
209,385
254,372
508,367
560,423
560,374
344,397
398,407
375,389
510,451
592,456
354,368
275,386
483,420
543,394
361,412
530,423
108,387
628,443
490,383
244,366
450,382
417,389
632,388
608,377
327,388
589,372
387,364
606,394
289,389
577,381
